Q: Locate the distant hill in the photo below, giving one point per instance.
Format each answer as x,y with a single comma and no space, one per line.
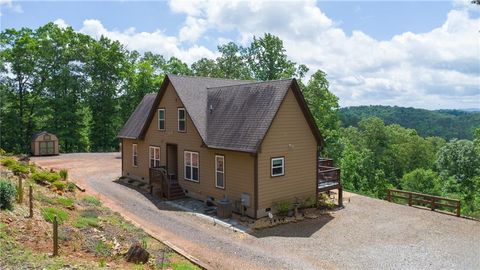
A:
447,124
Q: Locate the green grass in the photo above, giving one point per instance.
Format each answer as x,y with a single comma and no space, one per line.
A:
43,198
183,265
91,200
66,202
59,185
49,212
118,221
87,218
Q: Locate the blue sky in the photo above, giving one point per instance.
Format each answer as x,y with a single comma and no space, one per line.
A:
394,53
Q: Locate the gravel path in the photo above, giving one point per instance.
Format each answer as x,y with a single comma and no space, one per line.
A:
367,234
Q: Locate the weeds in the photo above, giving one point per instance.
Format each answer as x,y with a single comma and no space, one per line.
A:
283,207
66,202
49,213
91,200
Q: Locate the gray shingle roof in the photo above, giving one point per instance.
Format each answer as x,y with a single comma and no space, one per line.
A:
228,114
134,125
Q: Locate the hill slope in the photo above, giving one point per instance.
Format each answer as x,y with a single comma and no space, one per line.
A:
447,124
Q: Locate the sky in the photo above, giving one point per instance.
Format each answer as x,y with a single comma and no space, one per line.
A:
402,53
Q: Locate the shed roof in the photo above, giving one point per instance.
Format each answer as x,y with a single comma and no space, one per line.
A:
228,114
36,135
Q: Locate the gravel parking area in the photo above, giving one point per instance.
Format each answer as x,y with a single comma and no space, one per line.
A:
366,234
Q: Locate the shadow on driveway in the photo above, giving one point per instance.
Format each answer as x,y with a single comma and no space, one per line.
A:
304,228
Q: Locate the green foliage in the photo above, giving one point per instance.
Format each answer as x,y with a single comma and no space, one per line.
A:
309,202
325,201
8,192
71,186
283,207
49,213
47,176
8,161
63,174
423,181
86,219
59,185
18,168
66,202
91,200
447,124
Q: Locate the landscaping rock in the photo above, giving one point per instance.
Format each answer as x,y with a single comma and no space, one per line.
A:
137,254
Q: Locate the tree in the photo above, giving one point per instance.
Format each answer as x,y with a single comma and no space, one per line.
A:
422,180
205,68
267,59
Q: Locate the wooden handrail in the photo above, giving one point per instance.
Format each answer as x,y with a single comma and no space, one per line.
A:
427,199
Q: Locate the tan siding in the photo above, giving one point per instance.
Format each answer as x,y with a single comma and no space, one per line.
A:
35,144
289,136
239,166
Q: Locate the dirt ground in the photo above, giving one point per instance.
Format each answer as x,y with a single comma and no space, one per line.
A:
366,234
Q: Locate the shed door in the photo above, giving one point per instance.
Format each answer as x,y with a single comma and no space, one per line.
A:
47,148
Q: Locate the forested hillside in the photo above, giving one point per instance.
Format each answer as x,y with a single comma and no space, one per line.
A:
84,89
447,124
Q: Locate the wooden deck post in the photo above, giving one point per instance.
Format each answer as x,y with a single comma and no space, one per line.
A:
458,208
340,196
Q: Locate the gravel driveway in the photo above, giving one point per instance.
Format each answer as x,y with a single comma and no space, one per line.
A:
367,234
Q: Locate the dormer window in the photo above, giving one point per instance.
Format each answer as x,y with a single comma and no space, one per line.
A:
182,120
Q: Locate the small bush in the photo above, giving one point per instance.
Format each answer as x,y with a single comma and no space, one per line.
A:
67,202
91,200
283,207
59,185
2,152
49,212
309,202
325,201
71,187
7,162
18,168
63,174
45,176
84,222
8,192
33,168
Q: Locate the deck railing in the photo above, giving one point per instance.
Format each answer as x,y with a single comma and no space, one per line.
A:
160,178
425,200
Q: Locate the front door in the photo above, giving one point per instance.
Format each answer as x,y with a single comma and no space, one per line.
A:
47,148
172,161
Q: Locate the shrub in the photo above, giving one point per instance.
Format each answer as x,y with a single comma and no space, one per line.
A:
49,212
59,185
309,202
7,162
63,174
45,176
18,168
325,201
283,207
2,152
7,194
86,219
67,202
91,200
33,168
71,187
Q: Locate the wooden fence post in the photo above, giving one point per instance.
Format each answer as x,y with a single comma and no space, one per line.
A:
55,236
389,196
432,204
458,208
20,190
409,199
30,195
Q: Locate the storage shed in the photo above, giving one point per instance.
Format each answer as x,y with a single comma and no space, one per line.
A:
44,144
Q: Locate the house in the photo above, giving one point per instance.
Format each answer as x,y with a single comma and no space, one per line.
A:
44,144
255,143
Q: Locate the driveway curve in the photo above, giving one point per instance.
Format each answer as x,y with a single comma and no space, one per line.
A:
367,234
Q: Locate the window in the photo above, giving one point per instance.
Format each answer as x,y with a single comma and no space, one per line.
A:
161,119
134,155
182,123
154,156
220,172
278,166
191,166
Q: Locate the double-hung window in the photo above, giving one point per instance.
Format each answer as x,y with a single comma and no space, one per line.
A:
182,120
191,166
220,171
278,166
161,119
134,155
154,156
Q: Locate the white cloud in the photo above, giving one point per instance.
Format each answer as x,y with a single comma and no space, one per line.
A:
157,41
8,4
61,23
436,69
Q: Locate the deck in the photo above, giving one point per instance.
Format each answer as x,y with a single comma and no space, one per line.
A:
328,178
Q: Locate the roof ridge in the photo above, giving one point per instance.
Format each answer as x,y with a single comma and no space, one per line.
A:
252,83
210,78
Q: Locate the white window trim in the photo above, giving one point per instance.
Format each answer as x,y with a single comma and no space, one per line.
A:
217,171
150,157
191,165
283,166
158,119
135,154
184,119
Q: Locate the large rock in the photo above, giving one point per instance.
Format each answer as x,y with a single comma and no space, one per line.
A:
137,254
